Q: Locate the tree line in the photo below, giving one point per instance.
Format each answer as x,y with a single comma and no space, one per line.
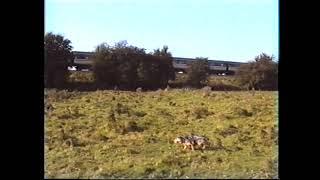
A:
128,67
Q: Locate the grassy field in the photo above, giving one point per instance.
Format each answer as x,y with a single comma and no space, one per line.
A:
109,134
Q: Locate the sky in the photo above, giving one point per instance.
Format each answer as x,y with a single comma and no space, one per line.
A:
232,30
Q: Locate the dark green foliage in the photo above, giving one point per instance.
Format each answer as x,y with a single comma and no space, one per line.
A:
197,72
58,56
129,67
166,65
260,74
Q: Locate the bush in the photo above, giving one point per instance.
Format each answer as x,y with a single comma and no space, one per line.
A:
261,74
197,72
129,67
58,78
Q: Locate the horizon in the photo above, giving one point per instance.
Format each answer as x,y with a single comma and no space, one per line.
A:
227,30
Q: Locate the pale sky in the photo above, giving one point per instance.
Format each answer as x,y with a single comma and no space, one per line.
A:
233,30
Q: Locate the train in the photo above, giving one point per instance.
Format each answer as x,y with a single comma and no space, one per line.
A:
83,62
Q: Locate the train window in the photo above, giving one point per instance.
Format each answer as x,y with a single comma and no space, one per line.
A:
81,57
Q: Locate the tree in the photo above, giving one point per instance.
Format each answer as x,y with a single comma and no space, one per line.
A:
58,56
149,72
197,71
259,74
129,67
166,65
104,65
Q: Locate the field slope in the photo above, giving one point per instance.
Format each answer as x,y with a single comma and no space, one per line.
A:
118,134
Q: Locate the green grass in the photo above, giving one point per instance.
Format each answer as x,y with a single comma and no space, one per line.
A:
108,134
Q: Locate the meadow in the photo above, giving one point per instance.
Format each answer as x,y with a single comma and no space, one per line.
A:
122,134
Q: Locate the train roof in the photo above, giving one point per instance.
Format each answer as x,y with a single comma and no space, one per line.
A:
175,58
210,60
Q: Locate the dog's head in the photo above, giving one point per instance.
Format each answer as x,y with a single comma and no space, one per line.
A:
178,140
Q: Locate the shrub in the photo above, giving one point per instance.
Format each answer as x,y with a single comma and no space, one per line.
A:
261,74
197,72
129,67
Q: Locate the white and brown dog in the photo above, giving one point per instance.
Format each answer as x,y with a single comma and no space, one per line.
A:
191,141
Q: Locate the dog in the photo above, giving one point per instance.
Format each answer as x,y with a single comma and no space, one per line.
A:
201,141
185,141
191,141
